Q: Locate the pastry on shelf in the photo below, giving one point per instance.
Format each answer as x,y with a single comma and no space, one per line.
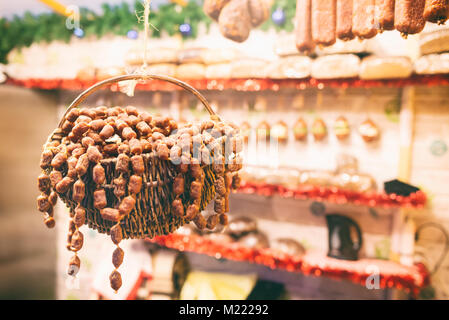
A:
255,240
336,66
109,72
316,178
263,131
319,129
341,128
369,131
300,130
292,67
279,131
385,68
218,71
248,68
220,55
241,226
153,55
166,69
432,64
288,246
436,41
354,46
191,55
87,74
191,71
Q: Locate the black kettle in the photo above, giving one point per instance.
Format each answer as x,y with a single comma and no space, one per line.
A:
341,243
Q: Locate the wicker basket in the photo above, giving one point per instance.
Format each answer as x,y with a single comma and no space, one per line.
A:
152,214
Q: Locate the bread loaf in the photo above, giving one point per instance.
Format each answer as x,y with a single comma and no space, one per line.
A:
432,64
336,66
294,67
191,71
385,68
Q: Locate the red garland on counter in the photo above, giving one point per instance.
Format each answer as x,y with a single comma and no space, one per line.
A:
335,195
391,274
244,84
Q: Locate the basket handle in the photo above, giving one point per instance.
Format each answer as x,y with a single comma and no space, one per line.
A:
109,81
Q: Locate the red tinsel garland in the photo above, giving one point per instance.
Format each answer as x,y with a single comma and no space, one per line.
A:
335,195
391,274
245,84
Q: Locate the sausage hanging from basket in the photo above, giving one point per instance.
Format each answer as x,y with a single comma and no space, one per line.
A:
130,175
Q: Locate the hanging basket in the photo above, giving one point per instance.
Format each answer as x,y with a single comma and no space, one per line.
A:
133,181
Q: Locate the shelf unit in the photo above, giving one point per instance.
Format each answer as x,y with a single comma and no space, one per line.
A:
391,274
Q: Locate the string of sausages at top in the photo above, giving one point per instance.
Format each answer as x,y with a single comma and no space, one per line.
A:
321,22
73,169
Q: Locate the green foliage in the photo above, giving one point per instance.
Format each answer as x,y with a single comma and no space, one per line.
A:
118,19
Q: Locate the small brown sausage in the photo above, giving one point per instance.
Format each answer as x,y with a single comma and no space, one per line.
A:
82,165
98,174
50,222
116,280
64,185
116,234
135,184
67,126
78,152
87,141
59,160
79,129
162,151
127,205
55,177
88,113
303,32
111,149
177,208
143,128
119,187
220,205
93,154
132,111
77,241
224,219
74,266
97,125
122,164
436,11
107,132
73,114
195,190
200,222
71,167
80,216
53,198
384,14
134,146
212,221
178,185
145,116
42,203
128,133
46,158
146,146
100,200
117,257
123,148
138,165
110,214
408,16
220,187
79,190
43,182
236,180
95,136
344,20
120,125
192,211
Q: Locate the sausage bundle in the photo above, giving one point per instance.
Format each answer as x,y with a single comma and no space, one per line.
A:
110,164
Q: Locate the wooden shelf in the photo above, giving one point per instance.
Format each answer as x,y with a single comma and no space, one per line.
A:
391,274
243,84
335,195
